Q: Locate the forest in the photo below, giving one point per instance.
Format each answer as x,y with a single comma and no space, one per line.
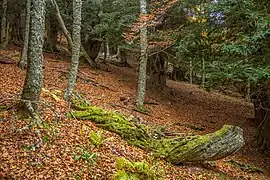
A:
135,89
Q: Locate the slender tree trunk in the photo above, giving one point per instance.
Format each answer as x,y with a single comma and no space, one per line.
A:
107,48
77,5
190,72
62,23
144,56
4,24
104,52
67,34
203,72
34,75
23,61
248,84
248,91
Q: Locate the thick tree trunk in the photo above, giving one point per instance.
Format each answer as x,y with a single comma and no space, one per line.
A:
67,34
4,24
209,147
263,134
77,5
52,32
262,115
176,150
92,48
34,75
157,71
23,61
144,56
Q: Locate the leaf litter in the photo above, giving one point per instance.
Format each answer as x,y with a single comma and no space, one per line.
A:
67,148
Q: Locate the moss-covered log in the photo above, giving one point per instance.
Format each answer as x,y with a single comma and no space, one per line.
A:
176,150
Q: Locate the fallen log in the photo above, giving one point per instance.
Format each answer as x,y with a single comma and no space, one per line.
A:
176,150
6,61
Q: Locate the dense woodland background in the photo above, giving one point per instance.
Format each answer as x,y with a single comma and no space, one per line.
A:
198,47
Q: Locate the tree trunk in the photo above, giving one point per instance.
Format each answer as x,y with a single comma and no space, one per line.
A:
52,32
107,47
34,75
23,61
104,52
209,147
4,24
262,115
190,72
144,56
77,5
203,72
67,34
157,71
248,91
263,133
176,150
92,48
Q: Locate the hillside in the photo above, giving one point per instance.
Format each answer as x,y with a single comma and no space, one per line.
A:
184,108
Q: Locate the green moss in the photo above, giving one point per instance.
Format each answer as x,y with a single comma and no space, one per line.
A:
3,107
172,149
127,170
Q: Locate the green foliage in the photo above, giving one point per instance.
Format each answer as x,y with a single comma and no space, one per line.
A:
108,19
97,138
136,170
233,40
85,155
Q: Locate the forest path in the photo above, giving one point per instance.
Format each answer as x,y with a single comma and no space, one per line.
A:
181,106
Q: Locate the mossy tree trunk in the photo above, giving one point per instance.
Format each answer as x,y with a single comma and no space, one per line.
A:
34,75
209,147
176,150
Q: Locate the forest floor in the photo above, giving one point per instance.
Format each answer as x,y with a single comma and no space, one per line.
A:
184,108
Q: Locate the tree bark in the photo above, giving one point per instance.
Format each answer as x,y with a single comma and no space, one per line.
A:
262,115
92,48
52,32
67,34
203,71
190,72
157,71
77,5
209,147
176,150
34,75
144,56
4,24
23,61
